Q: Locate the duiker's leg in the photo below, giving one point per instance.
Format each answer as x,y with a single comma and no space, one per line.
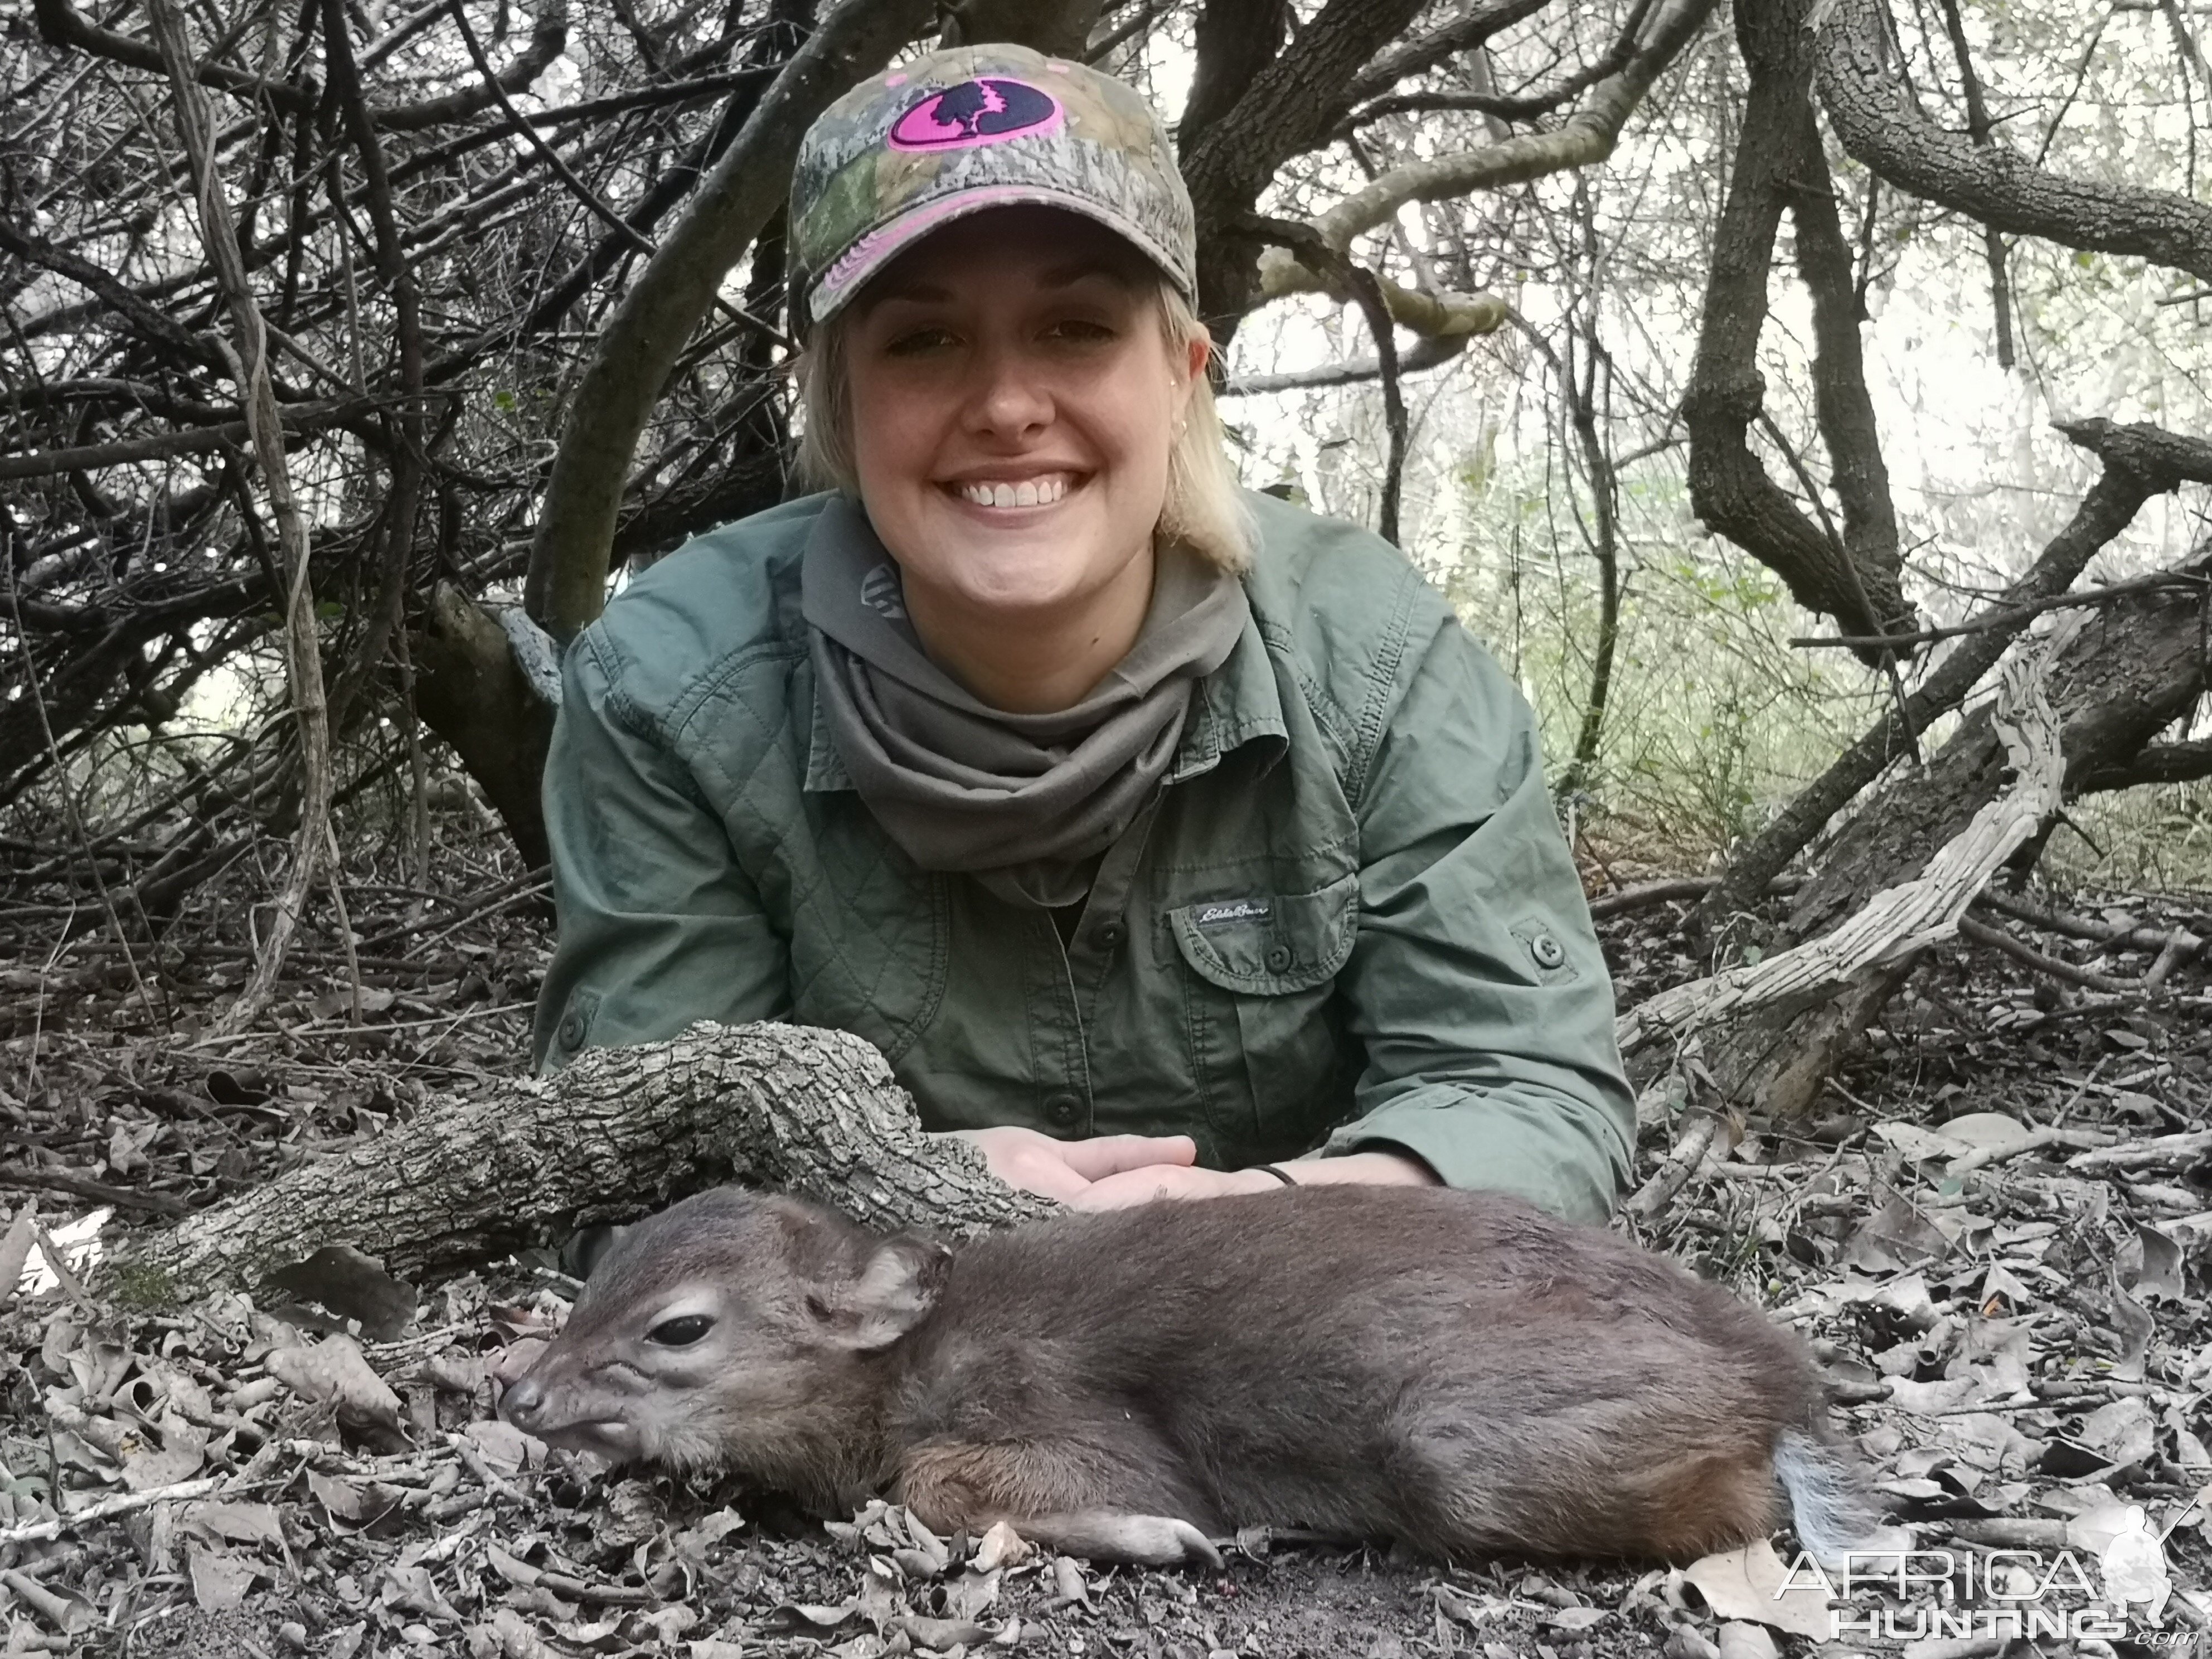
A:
1070,1498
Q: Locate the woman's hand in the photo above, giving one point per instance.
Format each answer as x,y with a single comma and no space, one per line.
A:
1142,1186
1068,1170
1117,1192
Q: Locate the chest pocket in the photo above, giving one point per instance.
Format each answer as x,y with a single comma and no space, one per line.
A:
1273,1063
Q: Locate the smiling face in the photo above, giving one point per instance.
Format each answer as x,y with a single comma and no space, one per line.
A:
1013,400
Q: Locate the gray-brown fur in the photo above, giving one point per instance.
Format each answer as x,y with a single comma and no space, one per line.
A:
1455,1370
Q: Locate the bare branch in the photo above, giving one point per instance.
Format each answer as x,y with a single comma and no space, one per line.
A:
1882,126
2137,467
1587,138
641,343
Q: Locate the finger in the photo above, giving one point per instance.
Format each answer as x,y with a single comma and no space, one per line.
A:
1110,1155
1120,1192
1046,1176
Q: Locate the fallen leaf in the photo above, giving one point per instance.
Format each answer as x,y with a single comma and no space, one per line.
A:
1467,1609
1746,1641
348,1285
1991,1131
234,1523
2124,1431
457,1373
412,1590
65,1610
971,1594
2150,1266
1918,1142
1002,1547
334,1371
505,1447
15,1254
1579,1619
941,1633
1748,1583
1895,1237
2133,1324
221,1578
1068,1585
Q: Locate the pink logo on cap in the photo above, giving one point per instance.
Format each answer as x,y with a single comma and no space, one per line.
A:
986,111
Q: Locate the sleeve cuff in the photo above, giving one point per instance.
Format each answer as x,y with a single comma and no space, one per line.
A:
1540,1151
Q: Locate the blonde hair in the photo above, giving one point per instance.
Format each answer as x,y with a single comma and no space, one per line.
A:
1202,509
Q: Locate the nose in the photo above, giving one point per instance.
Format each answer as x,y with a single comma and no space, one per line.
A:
1010,398
522,1402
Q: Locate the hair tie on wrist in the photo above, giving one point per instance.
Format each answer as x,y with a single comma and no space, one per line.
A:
1269,1169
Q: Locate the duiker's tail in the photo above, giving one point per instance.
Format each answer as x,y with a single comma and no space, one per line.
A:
1828,1499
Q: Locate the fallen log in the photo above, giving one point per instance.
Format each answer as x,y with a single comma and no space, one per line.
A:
618,1132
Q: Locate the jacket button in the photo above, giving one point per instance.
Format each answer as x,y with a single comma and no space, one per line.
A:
1111,935
1278,958
1547,951
1063,1109
572,1030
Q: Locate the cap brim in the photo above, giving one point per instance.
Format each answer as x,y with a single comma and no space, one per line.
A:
850,273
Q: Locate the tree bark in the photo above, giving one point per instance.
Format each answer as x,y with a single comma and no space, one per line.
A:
618,1132
567,582
2125,672
1850,574
1882,126
469,689
2140,461
1767,1034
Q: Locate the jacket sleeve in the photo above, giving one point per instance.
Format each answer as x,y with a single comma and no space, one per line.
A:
1477,985
658,925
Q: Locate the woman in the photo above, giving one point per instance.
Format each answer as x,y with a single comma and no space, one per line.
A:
1151,829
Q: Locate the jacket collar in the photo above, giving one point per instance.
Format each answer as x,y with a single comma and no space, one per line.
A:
1239,702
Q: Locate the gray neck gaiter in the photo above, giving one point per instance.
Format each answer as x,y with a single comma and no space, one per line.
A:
1025,803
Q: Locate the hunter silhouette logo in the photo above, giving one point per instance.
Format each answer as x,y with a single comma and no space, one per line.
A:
987,111
2134,1564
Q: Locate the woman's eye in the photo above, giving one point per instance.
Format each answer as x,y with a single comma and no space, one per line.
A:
913,342
1080,331
680,1332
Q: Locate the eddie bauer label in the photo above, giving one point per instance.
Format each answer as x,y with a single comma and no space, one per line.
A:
1228,910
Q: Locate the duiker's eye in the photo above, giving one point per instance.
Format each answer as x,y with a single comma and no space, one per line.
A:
680,1332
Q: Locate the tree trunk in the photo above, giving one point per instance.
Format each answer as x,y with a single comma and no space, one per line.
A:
469,689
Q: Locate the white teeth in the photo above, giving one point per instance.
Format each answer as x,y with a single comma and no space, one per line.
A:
1030,492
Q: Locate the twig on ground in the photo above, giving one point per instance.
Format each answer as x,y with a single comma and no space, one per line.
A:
1689,1153
2175,1152
34,1532
1982,933
124,1198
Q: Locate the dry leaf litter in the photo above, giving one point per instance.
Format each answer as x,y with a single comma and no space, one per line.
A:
1998,1234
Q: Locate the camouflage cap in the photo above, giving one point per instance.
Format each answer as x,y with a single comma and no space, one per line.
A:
972,128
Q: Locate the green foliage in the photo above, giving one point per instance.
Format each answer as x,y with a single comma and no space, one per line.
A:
140,1288
1712,720
2154,839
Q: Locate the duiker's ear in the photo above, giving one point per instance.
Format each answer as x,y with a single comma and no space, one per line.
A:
897,1284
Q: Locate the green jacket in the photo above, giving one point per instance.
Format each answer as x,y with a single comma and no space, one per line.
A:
1351,918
